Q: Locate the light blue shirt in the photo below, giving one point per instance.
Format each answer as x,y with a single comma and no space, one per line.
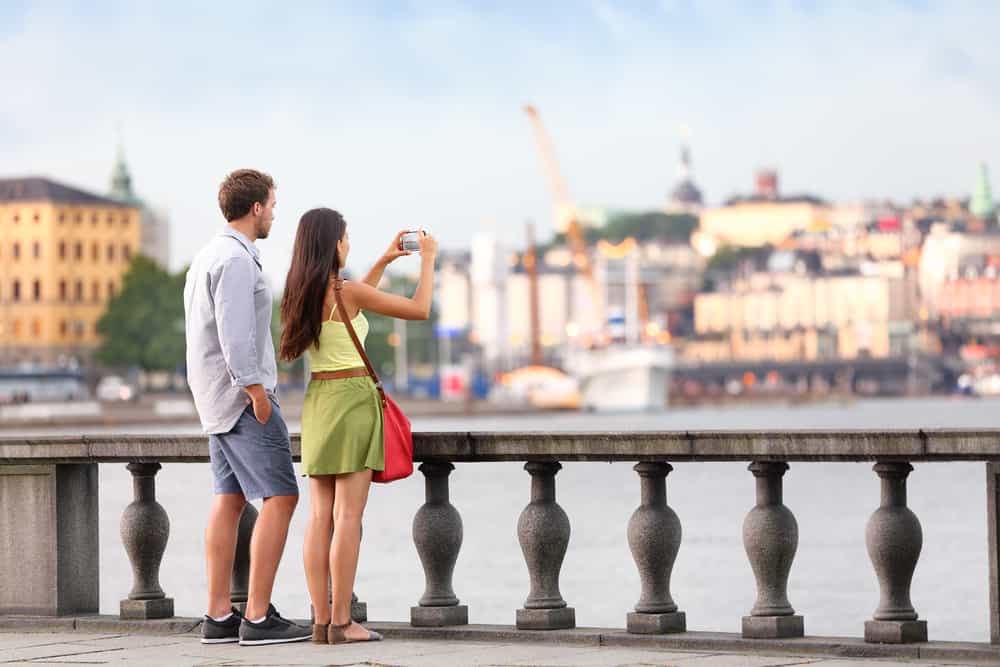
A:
227,327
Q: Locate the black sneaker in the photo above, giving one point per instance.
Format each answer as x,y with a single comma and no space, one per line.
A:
272,630
221,632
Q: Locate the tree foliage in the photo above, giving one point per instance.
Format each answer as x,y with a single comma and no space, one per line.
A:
143,325
642,226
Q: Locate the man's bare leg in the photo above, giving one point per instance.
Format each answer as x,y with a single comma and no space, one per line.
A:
220,550
266,547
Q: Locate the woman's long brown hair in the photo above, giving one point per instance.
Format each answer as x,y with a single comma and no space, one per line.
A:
314,261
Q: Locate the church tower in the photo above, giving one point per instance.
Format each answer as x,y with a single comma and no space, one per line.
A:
155,236
685,197
982,205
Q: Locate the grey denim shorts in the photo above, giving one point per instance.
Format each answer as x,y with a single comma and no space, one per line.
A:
252,458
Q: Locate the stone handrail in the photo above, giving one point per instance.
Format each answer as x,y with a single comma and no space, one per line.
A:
785,445
50,565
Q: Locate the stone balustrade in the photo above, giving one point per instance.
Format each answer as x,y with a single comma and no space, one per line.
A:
48,514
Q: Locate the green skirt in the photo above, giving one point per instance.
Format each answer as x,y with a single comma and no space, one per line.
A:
342,427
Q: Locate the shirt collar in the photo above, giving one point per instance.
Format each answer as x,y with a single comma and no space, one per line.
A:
247,243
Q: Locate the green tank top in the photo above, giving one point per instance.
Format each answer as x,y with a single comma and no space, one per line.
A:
336,351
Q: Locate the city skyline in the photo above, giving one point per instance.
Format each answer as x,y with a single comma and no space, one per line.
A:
399,118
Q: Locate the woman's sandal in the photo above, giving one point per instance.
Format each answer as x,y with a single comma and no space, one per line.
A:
335,635
320,633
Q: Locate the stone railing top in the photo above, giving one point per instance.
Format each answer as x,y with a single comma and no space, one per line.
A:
799,445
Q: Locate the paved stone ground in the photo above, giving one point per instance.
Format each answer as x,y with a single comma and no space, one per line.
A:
79,648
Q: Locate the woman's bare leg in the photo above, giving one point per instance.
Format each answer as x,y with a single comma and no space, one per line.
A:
316,550
350,499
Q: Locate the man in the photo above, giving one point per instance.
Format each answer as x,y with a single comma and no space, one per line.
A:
232,373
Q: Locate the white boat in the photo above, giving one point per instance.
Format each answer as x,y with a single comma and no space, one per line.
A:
621,378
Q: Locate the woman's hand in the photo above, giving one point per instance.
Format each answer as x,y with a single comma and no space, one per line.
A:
428,245
393,253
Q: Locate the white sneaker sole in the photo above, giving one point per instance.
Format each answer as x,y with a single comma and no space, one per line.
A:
223,640
261,642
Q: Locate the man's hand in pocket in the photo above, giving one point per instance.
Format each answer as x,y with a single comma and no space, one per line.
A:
261,403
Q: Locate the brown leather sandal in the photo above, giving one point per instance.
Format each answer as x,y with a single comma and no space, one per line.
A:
320,633
335,635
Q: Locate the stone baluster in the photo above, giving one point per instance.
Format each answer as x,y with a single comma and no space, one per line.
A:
654,536
240,581
993,545
543,531
770,537
437,534
145,528
894,538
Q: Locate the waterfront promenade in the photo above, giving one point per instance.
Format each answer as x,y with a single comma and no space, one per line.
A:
579,648
49,567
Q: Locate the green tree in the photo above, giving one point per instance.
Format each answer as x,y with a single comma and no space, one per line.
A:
290,372
143,324
650,226
642,226
727,260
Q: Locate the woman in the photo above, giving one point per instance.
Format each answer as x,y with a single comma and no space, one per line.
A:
342,416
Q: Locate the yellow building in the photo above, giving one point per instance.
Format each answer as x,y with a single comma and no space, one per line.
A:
63,253
785,320
755,222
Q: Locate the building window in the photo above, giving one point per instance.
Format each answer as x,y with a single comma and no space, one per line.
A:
62,250
16,294
110,219
62,217
17,218
95,292
93,219
111,252
36,218
36,290
94,252
79,291
111,289
125,219
63,328
17,328
77,218
36,249
16,250
62,290
36,328
78,250
126,253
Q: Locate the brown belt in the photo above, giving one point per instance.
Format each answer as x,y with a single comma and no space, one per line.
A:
340,375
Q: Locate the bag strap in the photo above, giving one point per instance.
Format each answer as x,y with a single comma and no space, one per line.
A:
338,285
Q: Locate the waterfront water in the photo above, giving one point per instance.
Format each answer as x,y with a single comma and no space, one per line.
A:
832,583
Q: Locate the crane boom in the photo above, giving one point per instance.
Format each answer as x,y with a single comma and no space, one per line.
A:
565,211
548,157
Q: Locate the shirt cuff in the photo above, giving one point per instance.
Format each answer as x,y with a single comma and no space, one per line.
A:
245,381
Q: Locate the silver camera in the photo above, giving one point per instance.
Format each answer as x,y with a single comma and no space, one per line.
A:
410,241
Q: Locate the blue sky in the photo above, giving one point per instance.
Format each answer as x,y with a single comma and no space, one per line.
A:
402,114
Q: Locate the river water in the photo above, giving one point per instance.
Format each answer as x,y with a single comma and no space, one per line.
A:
832,582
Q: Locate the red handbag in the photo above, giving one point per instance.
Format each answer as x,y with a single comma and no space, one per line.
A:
395,424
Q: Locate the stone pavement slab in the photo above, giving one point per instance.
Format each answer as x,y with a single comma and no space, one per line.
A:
184,650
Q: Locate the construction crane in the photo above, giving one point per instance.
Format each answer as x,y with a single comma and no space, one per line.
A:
565,212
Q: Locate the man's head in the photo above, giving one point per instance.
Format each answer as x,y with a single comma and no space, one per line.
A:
248,195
